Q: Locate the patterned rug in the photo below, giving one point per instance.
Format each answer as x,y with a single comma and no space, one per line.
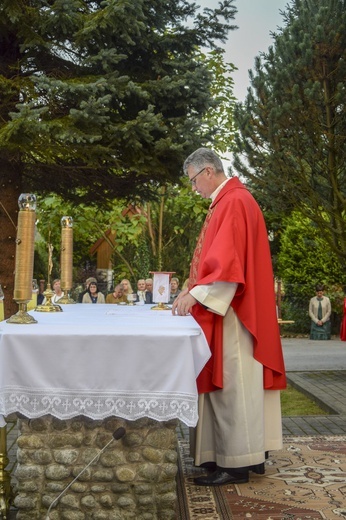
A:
306,480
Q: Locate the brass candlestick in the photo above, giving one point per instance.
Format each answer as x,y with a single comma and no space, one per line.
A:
48,306
24,267
161,307
48,293
66,257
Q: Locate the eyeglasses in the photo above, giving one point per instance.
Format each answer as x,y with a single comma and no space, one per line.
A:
192,180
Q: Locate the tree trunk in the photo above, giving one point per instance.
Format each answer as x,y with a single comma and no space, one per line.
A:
10,189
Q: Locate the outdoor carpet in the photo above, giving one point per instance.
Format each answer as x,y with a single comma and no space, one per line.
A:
306,480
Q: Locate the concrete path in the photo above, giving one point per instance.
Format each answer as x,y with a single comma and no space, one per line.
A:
317,369
303,354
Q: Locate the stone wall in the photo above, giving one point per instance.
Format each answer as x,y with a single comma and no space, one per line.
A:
133,478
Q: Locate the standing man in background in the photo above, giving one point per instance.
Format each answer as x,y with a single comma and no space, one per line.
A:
231,296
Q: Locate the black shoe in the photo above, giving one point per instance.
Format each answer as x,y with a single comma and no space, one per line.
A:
221,476
258,468
209,466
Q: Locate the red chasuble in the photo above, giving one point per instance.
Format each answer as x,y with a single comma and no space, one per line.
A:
233,247
343,324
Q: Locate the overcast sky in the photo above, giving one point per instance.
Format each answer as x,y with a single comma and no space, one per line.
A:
255,20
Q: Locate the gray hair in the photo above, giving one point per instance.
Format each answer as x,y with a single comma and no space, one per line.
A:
203,157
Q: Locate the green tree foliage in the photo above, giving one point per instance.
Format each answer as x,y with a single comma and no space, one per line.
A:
100,99
292,125
158,235
221,89
304,261
106,95
175,226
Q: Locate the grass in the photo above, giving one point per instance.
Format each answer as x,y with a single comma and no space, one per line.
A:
294,403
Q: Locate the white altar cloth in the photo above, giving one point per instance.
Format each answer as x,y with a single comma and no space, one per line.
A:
101,361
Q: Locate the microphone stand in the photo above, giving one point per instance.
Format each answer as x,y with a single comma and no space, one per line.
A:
118,434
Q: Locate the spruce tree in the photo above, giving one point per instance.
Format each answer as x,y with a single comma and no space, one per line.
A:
292,125
99,99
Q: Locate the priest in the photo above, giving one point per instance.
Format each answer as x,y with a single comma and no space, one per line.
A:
231,295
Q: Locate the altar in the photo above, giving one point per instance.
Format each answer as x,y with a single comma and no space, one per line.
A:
73,379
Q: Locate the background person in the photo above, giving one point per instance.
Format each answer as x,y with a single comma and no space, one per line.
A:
93,295
40,296
343,323
149,284
319,311
149,289
185,284
141,291
126,284
117,296
58,293
87,283
174,289
231,296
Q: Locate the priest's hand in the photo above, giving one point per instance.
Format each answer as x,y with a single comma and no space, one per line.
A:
183,303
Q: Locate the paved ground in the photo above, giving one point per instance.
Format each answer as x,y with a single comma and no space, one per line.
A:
318,369
328,390
303,354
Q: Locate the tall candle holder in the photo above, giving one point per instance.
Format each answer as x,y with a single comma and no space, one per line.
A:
24,266
66,259
2,296
161,289
32,304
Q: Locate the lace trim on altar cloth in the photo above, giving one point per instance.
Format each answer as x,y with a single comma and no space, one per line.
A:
97,406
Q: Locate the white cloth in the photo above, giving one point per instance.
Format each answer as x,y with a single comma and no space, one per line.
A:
161,288
240,422
128,362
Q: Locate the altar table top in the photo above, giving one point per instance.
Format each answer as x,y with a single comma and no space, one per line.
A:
101,361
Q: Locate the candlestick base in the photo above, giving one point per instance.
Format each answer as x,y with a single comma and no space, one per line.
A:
161,307
21,317
66,300
48,306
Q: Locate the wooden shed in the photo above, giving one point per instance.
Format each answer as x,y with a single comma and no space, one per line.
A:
103,248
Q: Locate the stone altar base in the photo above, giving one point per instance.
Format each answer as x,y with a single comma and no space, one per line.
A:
133,478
